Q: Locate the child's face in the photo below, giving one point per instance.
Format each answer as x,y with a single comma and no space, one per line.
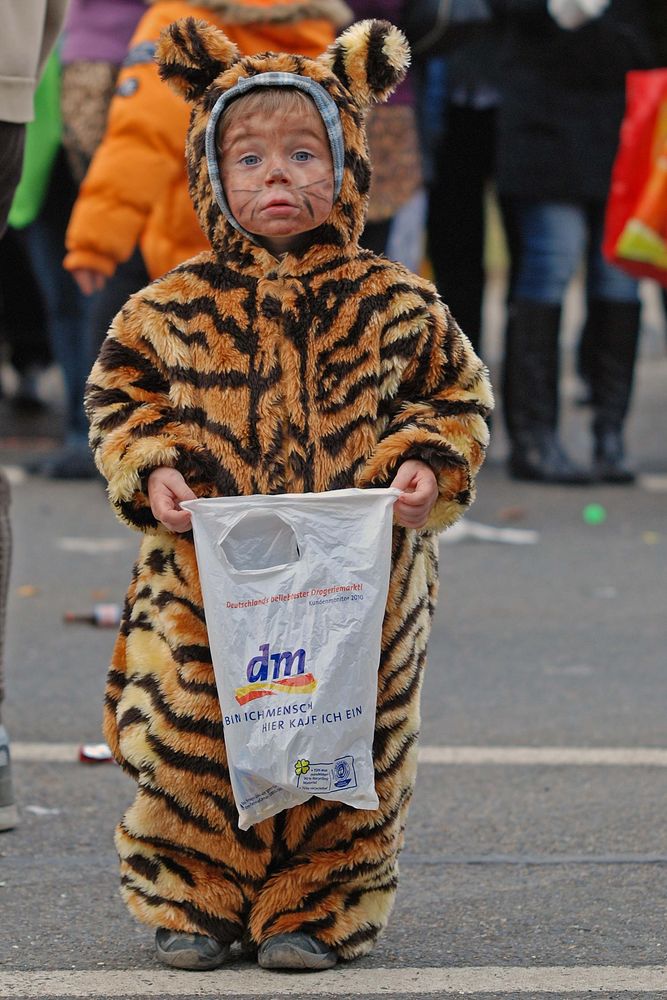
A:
278,175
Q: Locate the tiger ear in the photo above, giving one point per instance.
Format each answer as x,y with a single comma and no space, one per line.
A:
190,55
370,59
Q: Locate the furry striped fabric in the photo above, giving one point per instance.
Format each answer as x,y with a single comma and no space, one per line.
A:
249,374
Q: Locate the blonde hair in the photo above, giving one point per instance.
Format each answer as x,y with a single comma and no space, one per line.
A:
278,101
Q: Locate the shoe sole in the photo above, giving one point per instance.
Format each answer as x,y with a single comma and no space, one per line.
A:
616,478
526,476
288,957
190,960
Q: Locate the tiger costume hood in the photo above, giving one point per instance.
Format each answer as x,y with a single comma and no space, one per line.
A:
251,374
363,66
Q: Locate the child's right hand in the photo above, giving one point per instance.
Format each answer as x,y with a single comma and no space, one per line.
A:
166,489
89,280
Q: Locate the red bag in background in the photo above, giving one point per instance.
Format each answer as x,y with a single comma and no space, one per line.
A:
635,236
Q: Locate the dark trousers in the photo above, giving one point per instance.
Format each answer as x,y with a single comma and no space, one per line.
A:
23,318
5,562
376,236
78,324
67,307
129,277
463,168
12,142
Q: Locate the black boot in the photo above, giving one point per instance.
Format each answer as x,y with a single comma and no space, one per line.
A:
530,396
585,359
609,465
617,328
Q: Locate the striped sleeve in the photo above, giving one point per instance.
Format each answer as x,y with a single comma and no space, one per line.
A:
438,414
134,426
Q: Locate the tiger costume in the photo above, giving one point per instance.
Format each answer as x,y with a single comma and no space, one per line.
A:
322,370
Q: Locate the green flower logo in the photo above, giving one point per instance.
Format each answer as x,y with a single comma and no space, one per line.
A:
302,766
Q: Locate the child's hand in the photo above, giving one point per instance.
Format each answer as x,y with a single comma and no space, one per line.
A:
89,280
166,489
420,486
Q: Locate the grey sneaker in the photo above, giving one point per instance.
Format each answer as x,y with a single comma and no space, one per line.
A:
189,951
295,951
8,814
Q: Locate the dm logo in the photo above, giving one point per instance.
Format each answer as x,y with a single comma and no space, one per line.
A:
276,673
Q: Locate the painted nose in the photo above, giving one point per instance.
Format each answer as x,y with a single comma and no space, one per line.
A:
277,176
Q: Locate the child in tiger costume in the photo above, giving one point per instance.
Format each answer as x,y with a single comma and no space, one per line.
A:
283,360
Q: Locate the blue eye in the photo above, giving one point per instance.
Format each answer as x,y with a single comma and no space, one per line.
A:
251,160
301,156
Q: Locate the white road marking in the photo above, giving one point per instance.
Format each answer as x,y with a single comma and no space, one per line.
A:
583,756
16,474
255,982
93,546
523,860
45,753
68,753
653,484
466,530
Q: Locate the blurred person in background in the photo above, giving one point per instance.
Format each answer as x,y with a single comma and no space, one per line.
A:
24,312
135,192
562,102
94,42
585,355
39,216
462,172
67,315
30,29
393,141
23,322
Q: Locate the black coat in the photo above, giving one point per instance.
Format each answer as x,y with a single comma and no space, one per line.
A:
563,98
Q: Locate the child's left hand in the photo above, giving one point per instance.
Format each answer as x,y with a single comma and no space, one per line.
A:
420,487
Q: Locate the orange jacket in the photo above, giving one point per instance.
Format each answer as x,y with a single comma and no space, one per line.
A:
136,188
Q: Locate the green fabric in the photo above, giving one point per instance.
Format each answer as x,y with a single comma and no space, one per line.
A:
43,137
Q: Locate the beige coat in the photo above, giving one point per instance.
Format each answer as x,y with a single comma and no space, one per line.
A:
29,32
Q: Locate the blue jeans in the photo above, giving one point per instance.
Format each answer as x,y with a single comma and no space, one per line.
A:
78,323
553,238
67,307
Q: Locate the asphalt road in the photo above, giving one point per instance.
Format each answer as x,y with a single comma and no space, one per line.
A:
518,879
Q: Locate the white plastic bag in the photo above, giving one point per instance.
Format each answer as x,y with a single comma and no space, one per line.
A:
295,588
